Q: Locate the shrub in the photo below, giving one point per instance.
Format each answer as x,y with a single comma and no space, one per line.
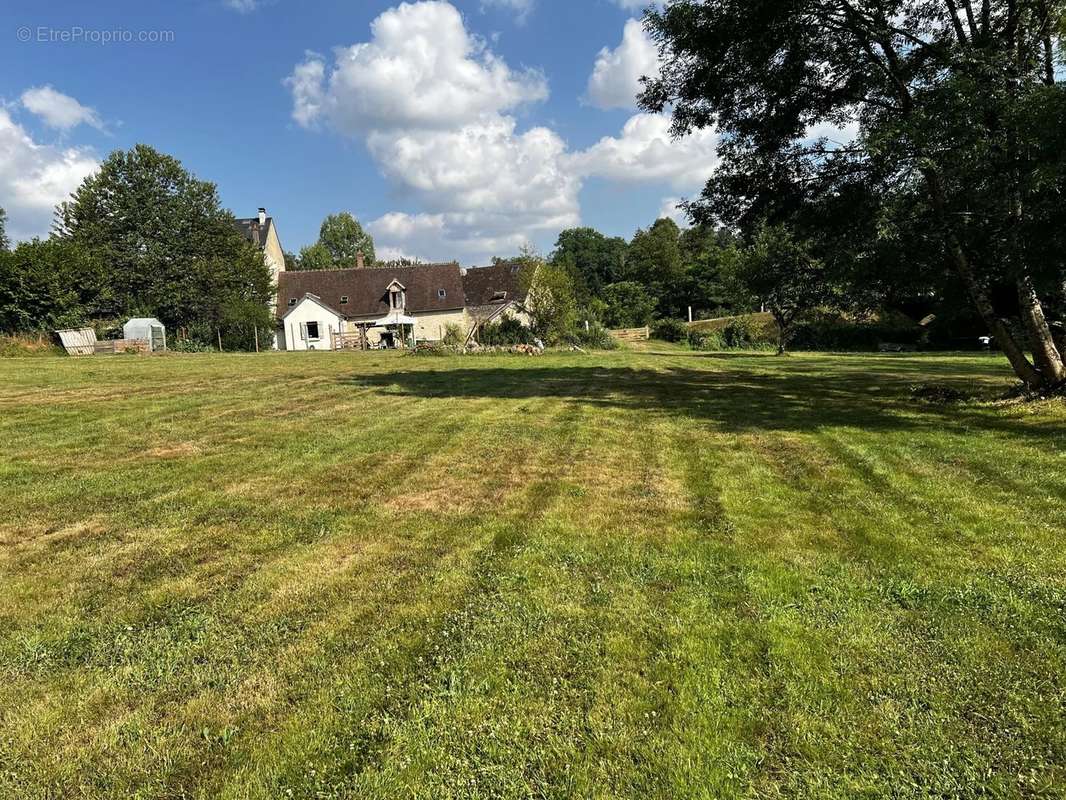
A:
670,330
744,333
596,337
453,335
832,332
507,331
189,346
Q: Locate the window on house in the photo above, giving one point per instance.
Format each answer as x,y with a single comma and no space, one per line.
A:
441,293
312,331
397,300
344,299
496,296
292,301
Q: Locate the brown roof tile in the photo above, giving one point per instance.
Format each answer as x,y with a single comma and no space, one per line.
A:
483,285
366,289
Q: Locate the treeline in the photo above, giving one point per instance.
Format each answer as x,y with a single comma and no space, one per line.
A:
140,237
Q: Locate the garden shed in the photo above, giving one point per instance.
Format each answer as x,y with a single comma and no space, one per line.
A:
147,329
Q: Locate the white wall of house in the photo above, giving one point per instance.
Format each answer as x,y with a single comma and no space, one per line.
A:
308,325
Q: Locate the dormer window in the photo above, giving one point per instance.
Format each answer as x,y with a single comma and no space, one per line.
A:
397,296
498,297
292,301
344,299
442,293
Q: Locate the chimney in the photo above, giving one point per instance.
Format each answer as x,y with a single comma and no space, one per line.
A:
262,216
360,263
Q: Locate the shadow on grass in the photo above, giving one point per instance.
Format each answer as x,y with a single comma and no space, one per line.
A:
874,396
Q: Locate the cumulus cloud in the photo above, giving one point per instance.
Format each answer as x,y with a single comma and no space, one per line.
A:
35,177
58,110
436,108
448,138
421,69
646,153
615,80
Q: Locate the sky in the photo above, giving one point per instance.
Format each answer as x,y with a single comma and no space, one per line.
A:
452,130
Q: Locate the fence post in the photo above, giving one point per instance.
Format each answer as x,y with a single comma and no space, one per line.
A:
256,329
219,334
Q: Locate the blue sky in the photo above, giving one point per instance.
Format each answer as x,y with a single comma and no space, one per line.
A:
452,130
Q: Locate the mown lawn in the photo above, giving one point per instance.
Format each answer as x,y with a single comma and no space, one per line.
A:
644,574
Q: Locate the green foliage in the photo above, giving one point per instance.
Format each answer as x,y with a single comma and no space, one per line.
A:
453,335
828,332
597,337
46,285
550,302
782,273
315,256
670,330
344,238
505,332
593,259
654,260
627,305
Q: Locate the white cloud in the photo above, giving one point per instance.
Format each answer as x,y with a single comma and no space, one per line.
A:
522,8
35,177
421,69
670,210
834,134
58,110
435,108
635,5
446,138
615,80
646,153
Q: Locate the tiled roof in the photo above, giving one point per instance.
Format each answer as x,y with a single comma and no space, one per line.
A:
496,285
254,232
367,289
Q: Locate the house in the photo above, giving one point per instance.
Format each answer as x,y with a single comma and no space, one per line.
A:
316,306
261,231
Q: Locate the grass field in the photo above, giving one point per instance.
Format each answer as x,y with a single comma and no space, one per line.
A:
643,574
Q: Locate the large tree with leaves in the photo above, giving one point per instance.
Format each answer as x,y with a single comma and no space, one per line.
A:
594,259
955,101
169,247
344,238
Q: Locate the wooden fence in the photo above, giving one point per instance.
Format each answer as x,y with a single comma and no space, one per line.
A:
632,334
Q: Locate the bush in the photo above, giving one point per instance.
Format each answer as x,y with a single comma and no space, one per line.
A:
453,335
744,333
506,332
670,330
189,346
596,337
708,341
29,345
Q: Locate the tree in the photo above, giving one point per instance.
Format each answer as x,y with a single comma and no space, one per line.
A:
170,249
344,238
910,76
4,243
315,256
781,273
550,301
628,305
594,259
46,285
654,261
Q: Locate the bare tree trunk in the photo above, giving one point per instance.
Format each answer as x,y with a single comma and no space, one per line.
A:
1045,352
